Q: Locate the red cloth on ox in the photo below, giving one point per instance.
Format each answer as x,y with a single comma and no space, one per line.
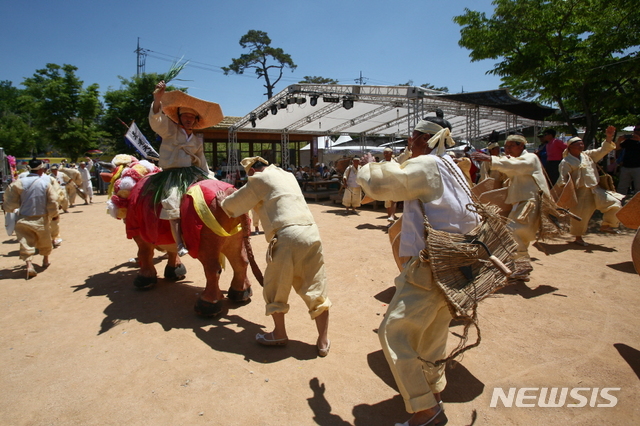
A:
144,220
190,221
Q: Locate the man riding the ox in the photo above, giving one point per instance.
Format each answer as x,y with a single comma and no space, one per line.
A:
174,116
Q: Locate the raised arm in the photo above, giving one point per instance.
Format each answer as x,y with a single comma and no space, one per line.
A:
157,96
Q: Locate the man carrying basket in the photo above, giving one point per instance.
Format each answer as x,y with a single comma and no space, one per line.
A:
416,324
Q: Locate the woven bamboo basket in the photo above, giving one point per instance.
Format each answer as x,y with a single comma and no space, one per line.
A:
488,184
496,197
629,215
635,251
565,196
462,267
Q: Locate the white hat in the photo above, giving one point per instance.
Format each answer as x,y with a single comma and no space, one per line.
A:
250,161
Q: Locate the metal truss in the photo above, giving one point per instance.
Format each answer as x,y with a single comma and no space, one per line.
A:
284,141
412,103
232,156
312,117
473,124
361,119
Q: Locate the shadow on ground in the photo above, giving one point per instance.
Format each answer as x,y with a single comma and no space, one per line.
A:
385,296
551,249
623,267
462,387
170,305
520,288
384,228
631,356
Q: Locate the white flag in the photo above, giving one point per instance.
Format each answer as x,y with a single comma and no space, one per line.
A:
135,137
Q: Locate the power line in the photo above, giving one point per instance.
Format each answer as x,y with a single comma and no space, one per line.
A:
142,53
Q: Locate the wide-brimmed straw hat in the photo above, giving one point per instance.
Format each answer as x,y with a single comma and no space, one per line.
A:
209,113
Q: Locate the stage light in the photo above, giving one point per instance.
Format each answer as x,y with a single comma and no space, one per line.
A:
263,114
332,100
347,103
274,109
301,101
283,105
314,100
252,119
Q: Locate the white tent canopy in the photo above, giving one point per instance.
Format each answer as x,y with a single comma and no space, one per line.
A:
387,111
332,109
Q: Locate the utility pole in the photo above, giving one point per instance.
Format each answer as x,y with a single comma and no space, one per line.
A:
142,58
361,81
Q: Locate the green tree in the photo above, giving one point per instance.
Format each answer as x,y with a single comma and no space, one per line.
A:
130,103
578,55
17,136
260,58
318,80
65,114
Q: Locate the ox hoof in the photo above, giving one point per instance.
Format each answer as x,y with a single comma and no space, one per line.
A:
142,283
239,296
208,309
176,273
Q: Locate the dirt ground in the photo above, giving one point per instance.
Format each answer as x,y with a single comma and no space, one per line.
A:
80,346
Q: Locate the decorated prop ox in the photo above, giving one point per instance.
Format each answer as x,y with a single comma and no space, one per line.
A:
208,232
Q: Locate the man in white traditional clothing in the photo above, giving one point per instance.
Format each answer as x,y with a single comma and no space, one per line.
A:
63,181
487,172
352,197
581,167
75,182
414,332
294,256
388,204
174,116
37,198
528,186
87,185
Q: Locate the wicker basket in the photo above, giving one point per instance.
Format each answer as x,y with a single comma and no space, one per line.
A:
565,195
497,198
461,263
488,184
635,251
629,215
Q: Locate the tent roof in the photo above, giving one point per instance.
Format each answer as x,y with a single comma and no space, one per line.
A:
386,111
501,99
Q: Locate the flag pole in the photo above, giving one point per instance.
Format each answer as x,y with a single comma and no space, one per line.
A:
123,123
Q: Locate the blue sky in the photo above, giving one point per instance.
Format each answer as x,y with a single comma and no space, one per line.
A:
389,42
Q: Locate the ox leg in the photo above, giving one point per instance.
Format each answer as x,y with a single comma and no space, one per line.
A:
175,269
212,270
147,275
210,302
234,251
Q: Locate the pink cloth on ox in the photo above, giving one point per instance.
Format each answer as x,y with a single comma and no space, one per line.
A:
143,219
190,221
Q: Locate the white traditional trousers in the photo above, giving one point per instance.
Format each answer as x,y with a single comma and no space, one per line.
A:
33,232
295,260
352,197
416,325
524,224
589,202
